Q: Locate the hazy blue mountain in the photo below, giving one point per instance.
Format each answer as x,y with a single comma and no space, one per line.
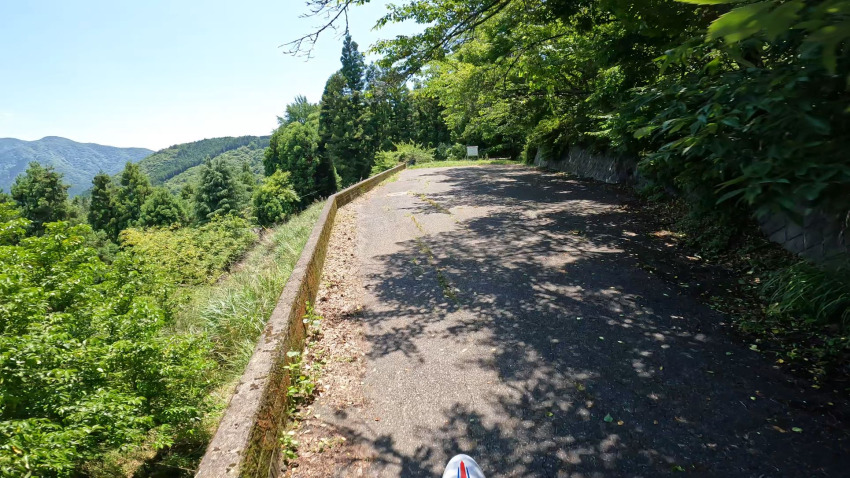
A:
78,162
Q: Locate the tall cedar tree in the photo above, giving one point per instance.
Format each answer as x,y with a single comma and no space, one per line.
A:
41,196
353,65
134,191
389,111
247,182
341,131
103,209
341,120
218,192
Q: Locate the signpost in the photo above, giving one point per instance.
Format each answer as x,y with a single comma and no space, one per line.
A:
471,151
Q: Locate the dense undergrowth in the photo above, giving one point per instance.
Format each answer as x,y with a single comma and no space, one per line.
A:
113,367
790,309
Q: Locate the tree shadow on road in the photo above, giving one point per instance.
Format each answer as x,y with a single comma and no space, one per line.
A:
607,369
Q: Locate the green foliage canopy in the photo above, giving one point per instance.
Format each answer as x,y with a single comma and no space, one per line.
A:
41,196
275,199
162,209
218,192
84,364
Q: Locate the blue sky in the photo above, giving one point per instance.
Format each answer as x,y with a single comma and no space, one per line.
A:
155,73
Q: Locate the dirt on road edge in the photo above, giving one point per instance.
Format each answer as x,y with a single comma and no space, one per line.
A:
322,450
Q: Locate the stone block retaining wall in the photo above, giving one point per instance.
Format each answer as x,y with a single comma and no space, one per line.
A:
819,238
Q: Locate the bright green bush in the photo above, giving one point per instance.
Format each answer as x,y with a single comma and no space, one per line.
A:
190,255
410,153
85,366
275,199
446,151
384,160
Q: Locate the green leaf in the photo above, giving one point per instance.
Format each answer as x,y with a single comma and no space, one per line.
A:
645,131
738,24
781,18
797,429
730,195
608,418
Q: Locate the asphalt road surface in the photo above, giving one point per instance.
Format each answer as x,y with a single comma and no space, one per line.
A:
507,317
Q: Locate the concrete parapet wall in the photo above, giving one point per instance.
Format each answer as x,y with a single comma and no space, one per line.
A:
246,443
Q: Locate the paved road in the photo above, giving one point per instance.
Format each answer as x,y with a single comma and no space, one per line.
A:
508,318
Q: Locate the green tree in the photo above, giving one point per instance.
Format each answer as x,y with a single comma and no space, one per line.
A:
341,131
247,182
134,191
275,199
162,209
353,65
218,191
294,149
299,111
41,196
343,116
103,209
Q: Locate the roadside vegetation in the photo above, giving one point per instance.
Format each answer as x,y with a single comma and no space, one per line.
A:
463,162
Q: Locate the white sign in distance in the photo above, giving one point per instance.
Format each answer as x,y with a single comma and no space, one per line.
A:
471,151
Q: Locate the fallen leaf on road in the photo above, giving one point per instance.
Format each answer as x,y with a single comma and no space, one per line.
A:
608,418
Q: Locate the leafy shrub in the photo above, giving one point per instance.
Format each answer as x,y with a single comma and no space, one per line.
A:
410,153
275,199
189,255
441,152
84,363
384,160
445,151
457,151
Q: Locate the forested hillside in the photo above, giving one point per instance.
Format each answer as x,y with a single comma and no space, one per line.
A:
235,158
169,162
78,162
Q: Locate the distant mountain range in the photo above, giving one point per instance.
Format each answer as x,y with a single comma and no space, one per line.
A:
172,167
78,162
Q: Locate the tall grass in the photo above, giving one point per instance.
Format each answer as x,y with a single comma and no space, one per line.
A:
228,315
233,311
811,293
